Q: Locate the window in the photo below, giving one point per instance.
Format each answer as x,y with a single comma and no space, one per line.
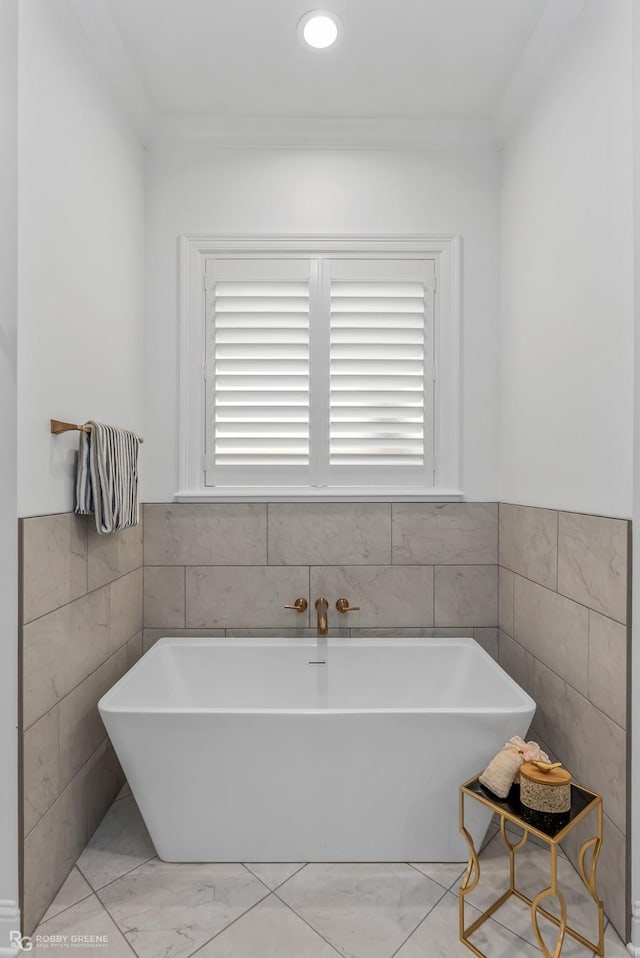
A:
319,367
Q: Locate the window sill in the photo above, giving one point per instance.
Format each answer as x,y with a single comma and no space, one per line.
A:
336,494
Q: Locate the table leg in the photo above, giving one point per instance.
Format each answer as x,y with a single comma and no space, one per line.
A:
554,891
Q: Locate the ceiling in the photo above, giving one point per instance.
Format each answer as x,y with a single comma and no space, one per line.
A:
436,59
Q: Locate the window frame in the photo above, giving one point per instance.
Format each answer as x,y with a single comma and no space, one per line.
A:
193,251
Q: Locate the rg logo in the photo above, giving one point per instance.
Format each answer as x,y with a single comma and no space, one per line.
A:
20,942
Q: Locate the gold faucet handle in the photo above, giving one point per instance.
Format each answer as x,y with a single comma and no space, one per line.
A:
342,605
300,605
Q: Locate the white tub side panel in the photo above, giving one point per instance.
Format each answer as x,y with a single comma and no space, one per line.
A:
307,787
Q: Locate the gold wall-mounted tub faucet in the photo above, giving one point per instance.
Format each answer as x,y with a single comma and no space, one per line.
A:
322,607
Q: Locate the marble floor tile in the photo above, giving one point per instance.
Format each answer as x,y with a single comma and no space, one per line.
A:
88,917
515,916
532,875
273,874
613,946
124,792
120,844
437,937
170,910
74,890
444,873
270,930
363,910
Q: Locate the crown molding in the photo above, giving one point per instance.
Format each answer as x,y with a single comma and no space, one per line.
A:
322,133
551,30
105,48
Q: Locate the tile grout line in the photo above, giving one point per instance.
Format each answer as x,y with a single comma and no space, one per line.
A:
106,911
113,880
123,933
421,922
561,595
233,921
446,887
302,919
67,694
78,598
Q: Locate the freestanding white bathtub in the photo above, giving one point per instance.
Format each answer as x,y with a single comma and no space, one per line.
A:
248,750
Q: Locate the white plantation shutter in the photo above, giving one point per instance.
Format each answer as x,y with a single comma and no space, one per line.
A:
381,370
257,371
319,371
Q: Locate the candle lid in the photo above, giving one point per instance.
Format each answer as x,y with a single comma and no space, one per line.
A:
545,773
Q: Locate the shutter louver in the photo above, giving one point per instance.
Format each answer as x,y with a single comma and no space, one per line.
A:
377,373
260,373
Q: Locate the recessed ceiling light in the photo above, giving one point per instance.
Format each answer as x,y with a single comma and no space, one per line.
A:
319,29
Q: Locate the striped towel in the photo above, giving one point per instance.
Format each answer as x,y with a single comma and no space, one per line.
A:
107,477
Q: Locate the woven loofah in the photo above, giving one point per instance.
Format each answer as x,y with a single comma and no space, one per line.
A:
504,768
501,771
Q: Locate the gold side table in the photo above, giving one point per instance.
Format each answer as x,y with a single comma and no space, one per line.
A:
551,829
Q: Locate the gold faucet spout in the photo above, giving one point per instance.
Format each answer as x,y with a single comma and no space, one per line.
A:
322,607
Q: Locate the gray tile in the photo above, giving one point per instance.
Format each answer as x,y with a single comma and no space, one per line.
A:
394,596
270,930
88,917
50,851
244,596
466,595
164,597
554,629
63,648
283,633
488,639
445,533
103,779
54,562
120,843
81,728
591,746
151,636
75,889
205,534
134,650
608,667
592,562
517,662
506,587
444,873
611,869
273,874
173,909
529,542
363,910
329,533
532,876
437,936
126,608
613,945
113,555
41,774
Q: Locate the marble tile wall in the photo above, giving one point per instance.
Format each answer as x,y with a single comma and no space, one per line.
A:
413,568
564,593
81,630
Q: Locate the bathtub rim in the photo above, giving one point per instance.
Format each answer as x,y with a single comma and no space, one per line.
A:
105,706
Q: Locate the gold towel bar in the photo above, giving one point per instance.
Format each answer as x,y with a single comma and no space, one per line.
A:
57,426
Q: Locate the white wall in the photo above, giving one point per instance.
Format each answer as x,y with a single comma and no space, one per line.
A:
8,488
307,191
567,278
81,196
